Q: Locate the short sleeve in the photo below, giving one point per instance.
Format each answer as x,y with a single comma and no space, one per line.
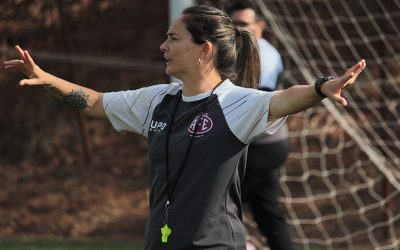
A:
132,110
246,112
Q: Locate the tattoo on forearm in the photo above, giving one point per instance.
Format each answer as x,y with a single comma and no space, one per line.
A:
76,99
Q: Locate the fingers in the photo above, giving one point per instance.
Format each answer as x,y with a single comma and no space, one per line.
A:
20,53
12,64
18,63
34,81
344,80
28,57
358,67
25,56
341,100
347,77
26,64
361,67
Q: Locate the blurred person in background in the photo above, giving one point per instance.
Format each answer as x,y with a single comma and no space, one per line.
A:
266,154
197,130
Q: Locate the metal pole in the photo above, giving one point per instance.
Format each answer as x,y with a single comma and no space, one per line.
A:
175,9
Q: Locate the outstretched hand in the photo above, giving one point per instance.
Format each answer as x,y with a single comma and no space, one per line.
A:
333,88
35,75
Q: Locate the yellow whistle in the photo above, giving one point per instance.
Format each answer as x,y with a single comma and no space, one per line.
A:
165,232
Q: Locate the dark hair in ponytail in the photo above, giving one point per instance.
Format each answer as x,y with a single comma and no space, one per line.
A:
248,59
236,53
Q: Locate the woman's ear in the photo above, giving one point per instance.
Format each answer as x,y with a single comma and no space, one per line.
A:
207,51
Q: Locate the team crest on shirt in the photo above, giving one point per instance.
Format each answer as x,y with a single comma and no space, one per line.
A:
203,123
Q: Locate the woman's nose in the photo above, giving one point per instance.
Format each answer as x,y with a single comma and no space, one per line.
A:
163,47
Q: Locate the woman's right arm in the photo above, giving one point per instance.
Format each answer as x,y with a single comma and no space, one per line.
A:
86,100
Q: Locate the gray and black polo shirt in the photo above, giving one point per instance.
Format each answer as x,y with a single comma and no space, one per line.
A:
206,211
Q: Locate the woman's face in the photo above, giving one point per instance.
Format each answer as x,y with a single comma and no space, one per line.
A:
180,52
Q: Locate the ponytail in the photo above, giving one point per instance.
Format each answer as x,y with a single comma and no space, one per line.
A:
236,51
247,60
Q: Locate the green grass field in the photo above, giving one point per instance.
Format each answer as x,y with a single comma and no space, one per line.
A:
35,244
63,244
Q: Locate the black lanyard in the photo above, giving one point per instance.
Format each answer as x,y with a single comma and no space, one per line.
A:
166,231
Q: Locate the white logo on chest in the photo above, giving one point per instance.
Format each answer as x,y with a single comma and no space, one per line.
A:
157,126
201,124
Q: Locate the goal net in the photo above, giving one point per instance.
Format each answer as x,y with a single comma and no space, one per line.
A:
341,182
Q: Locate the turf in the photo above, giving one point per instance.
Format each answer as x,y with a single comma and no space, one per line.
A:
34,244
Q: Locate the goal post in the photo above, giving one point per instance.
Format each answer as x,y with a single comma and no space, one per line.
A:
341,182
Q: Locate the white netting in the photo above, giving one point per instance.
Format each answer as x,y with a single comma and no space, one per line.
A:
342,180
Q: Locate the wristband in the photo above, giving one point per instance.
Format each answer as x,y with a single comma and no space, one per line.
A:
318,84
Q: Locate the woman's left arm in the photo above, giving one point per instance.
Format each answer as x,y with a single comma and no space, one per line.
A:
300,97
